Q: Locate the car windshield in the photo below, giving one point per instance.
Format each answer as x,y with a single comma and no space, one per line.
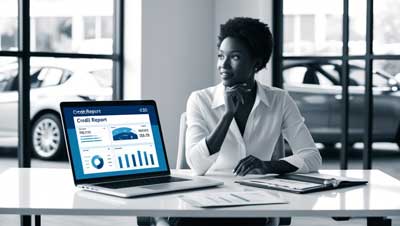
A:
358,75
4,79
8,79
44,77
103,77
40,77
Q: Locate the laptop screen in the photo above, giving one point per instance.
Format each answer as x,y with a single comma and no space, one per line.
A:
114,140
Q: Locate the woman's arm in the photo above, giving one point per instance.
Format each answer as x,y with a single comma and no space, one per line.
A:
253,165
197,154
233,98
215,140
202,145
305,156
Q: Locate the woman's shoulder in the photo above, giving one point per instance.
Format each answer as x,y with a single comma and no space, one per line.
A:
272,90
208,92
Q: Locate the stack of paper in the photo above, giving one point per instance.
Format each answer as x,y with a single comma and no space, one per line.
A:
224,199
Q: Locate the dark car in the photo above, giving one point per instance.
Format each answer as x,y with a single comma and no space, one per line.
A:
316,88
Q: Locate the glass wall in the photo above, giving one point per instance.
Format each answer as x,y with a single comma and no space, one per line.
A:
58,26
312,27
71,59
312,69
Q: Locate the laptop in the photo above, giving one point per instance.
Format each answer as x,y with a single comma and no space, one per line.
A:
117,148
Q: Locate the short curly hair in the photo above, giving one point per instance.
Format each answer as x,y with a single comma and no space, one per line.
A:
254,33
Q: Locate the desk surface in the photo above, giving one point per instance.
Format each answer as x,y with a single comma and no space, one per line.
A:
40,191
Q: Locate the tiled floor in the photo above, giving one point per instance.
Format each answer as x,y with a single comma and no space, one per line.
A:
385,157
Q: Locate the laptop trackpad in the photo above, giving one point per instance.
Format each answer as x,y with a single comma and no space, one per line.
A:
165,186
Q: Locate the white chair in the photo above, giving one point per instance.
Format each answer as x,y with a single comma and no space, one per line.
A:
181,157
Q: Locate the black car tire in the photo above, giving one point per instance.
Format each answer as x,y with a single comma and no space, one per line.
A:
48,138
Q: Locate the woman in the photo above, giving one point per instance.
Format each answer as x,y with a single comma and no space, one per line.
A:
235,125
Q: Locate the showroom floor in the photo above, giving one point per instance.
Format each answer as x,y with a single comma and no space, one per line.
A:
386,157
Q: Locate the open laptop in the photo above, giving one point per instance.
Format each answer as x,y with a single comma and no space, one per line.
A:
117,148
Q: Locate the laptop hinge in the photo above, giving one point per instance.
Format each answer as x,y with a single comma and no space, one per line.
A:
144,178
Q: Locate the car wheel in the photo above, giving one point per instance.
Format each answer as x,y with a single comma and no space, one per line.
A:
47,137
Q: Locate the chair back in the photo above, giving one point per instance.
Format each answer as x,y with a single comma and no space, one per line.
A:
181,158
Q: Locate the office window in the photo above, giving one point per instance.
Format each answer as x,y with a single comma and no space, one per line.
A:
51,34
57,26
386,27
8,33
357,27
71,59
312,27
8,25
311,55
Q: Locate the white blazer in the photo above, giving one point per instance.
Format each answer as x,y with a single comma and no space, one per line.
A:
274,112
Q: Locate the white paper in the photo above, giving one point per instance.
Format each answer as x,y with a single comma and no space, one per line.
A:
223,199
284,183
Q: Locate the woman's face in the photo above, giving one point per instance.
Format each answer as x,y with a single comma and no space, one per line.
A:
235,63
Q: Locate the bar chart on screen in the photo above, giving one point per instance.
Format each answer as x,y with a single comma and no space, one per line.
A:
137,160
120,158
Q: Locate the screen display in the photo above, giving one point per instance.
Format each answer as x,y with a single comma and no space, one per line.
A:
114,140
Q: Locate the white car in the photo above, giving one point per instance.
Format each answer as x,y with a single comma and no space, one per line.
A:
51,83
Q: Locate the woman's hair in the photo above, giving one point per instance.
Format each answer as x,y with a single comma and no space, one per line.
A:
254,33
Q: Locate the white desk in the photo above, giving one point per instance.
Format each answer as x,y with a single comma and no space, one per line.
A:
39,191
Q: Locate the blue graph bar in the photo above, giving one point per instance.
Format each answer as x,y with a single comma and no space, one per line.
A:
133,160
127,160
151,159
120,162
140,158
145,158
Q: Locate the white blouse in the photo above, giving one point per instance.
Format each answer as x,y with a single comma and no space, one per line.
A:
274,112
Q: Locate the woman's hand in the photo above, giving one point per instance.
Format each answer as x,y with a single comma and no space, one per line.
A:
234,97
252,165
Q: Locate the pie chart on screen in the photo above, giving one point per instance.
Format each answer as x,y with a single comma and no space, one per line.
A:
97,162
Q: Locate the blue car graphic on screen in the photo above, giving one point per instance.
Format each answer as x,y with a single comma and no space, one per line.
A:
124,133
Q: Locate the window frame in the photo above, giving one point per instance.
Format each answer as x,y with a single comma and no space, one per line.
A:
24,54
368,57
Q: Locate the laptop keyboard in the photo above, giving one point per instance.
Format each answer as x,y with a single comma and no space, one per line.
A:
141,182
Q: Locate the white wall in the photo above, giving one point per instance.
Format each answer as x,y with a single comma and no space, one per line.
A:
133,50
177,52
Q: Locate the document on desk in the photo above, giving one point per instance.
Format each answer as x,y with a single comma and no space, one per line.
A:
226,199
302,183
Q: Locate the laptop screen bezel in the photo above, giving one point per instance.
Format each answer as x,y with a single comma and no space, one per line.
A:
118,177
